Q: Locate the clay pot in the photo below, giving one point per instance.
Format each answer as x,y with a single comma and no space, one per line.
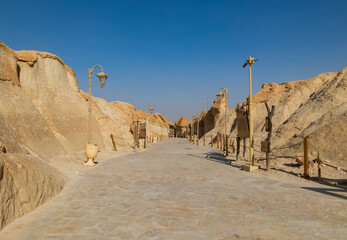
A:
91,152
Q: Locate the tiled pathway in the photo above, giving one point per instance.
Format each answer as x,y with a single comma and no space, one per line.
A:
172,191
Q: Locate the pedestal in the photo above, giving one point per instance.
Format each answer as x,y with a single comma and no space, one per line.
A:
249,168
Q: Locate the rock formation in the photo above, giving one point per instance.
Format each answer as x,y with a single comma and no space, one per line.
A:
315,107
44,115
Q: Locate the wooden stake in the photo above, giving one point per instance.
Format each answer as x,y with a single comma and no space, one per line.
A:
114,143
226,146
211,140
306,166
319,167
204,140
268,125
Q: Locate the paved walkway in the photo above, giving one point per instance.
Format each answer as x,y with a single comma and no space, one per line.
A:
179,191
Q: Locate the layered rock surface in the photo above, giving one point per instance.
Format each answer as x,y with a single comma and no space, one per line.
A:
44,115
315,108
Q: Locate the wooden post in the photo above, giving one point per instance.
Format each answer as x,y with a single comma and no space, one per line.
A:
222,145
136,134
211,140
238,143
217,140
220,141
268,124
204,140
319,167
306,166
114,143
226,146
197,140
190,138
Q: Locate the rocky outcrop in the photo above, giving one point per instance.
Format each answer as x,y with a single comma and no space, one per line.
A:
25,183
8,63
314,107
322,117
44,115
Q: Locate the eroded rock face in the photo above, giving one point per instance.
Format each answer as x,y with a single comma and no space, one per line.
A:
8,63
44,115
315,107
2,147
25,183
322,117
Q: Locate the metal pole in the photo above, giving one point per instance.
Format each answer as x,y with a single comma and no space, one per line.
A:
250,111
90,71
226,111
90,106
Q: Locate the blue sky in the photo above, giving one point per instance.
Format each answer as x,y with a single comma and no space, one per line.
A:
176,54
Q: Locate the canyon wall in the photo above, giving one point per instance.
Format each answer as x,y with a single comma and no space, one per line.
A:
314,108
44,115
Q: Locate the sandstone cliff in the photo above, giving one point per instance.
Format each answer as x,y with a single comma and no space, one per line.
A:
314,107
44,115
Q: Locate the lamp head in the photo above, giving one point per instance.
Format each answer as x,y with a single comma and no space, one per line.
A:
102,78
249,61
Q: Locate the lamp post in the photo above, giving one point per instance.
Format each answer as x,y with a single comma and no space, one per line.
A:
250,61
90,148
219,95
151,110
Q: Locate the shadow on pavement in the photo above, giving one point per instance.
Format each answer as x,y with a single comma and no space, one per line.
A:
213,156
216,157
332,191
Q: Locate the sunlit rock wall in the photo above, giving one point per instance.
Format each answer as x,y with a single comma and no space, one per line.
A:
44,115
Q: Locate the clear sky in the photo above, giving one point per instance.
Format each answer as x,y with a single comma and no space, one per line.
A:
176,54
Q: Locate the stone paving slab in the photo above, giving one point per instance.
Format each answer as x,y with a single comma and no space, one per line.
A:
173,191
